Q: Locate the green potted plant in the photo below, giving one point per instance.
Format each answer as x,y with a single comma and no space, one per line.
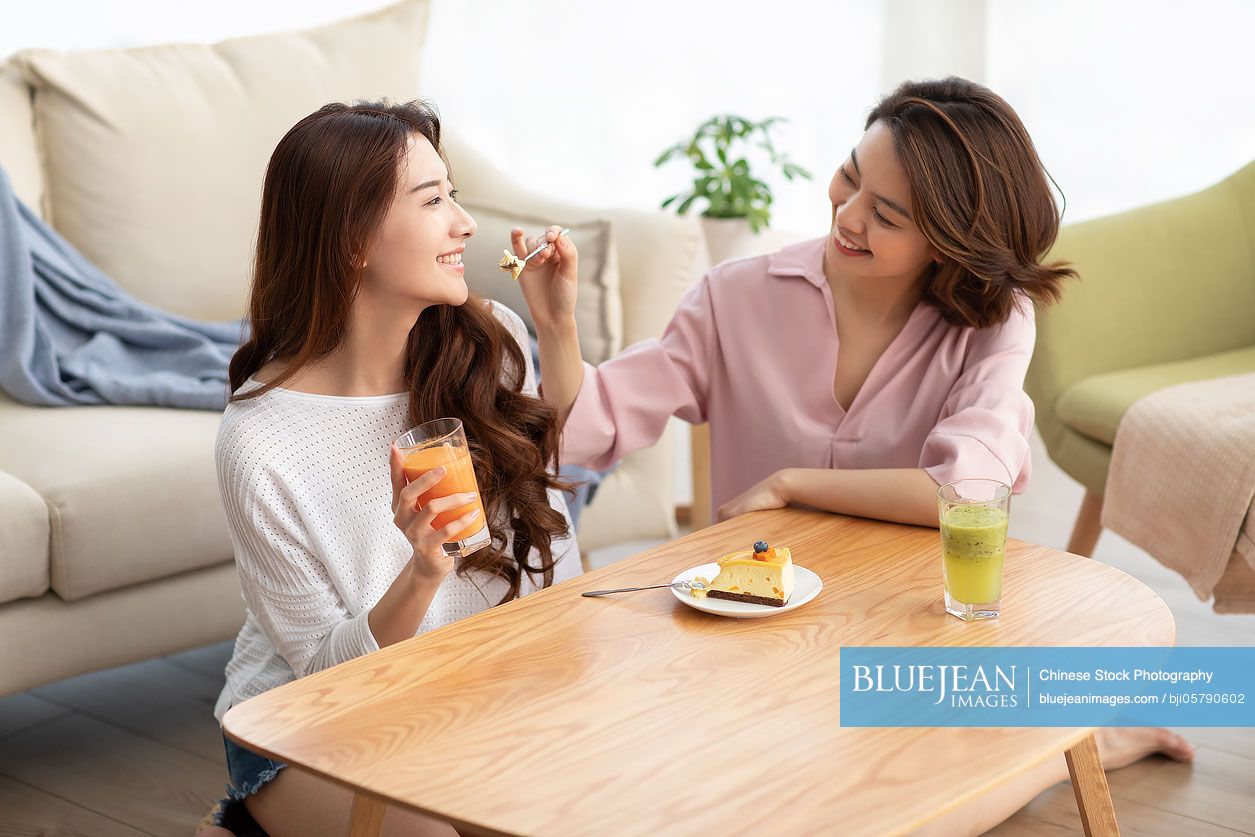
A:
737,203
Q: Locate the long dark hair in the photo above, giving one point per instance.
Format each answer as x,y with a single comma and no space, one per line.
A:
980,195
328,188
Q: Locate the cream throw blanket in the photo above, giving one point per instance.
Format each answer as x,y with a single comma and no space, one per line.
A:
1182,482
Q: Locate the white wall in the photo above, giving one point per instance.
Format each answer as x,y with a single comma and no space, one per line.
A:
586,103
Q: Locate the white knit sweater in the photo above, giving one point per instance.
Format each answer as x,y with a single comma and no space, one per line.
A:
305,484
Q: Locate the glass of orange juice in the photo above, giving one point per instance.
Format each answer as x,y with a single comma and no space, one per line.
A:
442,443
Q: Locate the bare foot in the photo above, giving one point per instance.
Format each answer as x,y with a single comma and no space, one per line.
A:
1120,746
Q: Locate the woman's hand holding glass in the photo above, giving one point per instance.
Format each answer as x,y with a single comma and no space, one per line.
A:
430,560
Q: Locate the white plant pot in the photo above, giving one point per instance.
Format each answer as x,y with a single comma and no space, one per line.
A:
730,238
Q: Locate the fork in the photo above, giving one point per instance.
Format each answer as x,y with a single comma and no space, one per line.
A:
516,266
675,585
523,261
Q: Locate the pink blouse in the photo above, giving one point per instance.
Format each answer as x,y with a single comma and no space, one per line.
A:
752,349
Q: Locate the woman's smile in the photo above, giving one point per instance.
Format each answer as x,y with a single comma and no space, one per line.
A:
846,246
452,260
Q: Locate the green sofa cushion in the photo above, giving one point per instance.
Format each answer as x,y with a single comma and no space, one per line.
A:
1094,406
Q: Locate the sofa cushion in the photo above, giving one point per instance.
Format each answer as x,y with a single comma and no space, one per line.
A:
18,154
1094,406
23,541
597,310
155,156
131,491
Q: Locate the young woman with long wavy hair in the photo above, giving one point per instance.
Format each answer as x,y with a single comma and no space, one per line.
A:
362,326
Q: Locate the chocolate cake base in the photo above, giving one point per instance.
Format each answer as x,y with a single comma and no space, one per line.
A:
744,597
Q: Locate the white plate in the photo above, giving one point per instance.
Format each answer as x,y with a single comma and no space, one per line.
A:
806,586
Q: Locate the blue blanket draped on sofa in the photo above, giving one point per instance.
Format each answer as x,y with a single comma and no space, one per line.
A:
70,335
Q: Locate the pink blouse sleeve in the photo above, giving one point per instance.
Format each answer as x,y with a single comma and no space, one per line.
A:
623,404
985,424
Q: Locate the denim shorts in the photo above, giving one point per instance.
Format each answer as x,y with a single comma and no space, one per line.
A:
249,771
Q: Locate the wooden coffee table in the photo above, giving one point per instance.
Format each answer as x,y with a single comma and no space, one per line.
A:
634,714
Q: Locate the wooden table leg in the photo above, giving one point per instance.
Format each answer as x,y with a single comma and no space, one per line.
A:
1089,783
367,818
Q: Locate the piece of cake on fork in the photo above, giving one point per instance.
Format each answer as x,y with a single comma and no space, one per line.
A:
511,262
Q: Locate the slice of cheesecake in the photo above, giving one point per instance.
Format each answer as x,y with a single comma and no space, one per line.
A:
763,575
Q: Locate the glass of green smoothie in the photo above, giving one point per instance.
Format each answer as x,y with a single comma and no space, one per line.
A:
974,516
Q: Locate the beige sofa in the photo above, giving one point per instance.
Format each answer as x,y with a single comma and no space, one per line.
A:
113,545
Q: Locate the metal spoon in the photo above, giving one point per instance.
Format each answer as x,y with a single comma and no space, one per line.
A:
678,585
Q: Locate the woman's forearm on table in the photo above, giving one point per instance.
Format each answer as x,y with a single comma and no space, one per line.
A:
901,495
399,612
562,367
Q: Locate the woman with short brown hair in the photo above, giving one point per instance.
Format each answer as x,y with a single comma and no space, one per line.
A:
856,372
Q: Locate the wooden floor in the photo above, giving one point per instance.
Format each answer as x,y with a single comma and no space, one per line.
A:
135,750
